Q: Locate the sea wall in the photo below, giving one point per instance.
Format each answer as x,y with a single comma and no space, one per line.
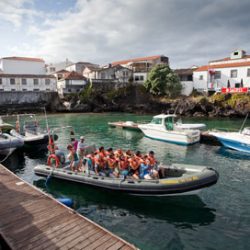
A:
27,101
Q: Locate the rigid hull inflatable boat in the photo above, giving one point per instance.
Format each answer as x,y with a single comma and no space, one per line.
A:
179,179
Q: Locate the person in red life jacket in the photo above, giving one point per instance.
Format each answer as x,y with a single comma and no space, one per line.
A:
100,162
91,161
118,153
52,147
123,165
152,164
134,165
112,166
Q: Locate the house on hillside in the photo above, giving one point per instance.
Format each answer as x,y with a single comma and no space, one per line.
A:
25,74
142,65
229,72
80,66
186,79
72,82
61,74
109,73
54,67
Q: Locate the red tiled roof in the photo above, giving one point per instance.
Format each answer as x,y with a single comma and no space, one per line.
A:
62,71
137,59
24,59
223,65
73,75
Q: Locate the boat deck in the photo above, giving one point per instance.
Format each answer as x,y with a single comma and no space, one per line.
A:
30,219
124,125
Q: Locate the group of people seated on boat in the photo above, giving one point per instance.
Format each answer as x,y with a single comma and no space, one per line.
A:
108,162
119,163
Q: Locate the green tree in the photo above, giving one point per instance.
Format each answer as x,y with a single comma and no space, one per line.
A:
163,81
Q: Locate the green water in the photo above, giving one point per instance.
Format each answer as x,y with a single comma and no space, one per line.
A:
218,218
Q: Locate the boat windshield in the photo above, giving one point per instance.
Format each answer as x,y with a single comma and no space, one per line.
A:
169,123
156,121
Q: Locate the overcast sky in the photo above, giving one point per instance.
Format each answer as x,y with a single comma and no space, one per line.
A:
189,32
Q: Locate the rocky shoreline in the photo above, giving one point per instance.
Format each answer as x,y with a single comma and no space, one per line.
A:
137,100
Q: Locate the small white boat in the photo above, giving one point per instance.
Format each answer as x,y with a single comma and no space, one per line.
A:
125,125
239,141
163,128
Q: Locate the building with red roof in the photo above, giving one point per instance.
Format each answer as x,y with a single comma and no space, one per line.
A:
229,72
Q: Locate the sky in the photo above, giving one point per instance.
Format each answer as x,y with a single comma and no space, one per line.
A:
189,32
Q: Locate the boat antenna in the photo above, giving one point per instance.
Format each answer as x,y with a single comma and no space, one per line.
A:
243,124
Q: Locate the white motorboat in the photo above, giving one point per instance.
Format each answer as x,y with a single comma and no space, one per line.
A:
239,141
163,128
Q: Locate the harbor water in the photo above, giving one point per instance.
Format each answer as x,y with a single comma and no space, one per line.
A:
217,218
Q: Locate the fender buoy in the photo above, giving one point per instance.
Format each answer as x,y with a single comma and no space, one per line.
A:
53,156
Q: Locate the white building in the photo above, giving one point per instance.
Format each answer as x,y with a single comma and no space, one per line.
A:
25,74
186,79
115,73
72,82
80,66
142,65
233,72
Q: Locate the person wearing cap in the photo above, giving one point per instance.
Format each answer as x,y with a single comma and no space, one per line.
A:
81,148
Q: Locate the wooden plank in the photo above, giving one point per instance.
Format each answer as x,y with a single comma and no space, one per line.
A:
31,219
107,244
99,242
45,227
117,245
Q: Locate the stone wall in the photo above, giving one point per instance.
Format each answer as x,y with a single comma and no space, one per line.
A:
27,101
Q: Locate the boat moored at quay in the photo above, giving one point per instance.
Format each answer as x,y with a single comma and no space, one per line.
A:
176,179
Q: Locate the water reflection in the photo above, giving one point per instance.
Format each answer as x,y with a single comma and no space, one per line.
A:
182,211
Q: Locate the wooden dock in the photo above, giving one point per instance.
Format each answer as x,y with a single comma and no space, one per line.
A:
30,219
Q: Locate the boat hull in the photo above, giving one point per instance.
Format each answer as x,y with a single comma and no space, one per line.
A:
191,182
235,141
172,136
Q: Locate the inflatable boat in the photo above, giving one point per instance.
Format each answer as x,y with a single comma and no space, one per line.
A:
176,179
8,142
31,139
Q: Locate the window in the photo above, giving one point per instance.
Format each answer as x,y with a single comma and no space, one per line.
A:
47,81
1,90
1,82
236,53
217,75
248,74
24,89
156,121
35,81
103,76
47,90
36,90
24,81
141,78
69,90
13,90
12,81
136,78
233,73
201,77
